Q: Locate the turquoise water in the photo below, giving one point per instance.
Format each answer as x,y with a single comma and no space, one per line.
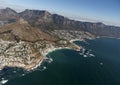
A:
71,68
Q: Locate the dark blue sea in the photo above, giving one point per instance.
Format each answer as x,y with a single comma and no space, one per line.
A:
97,64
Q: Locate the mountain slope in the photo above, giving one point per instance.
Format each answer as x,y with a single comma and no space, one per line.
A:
21,30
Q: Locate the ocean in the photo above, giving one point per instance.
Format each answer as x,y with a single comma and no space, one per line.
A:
97,64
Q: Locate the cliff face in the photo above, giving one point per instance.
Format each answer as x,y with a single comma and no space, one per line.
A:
36,16
46,21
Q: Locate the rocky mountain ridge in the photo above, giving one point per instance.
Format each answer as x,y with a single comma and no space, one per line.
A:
47,21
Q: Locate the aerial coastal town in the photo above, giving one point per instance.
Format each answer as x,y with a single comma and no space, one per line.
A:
14,54
27,55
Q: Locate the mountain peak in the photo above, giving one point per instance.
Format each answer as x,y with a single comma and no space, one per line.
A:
8,14
8,9
37,12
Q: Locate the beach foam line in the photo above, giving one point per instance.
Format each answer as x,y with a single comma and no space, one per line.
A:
49,50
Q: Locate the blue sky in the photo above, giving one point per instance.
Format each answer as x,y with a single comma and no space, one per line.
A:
107,11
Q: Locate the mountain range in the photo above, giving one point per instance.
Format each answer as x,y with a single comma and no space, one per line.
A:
46,21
